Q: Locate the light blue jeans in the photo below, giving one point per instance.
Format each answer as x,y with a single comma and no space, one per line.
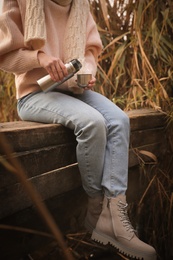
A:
102,133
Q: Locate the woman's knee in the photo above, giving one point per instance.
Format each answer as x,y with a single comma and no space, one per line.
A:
121,121
95,125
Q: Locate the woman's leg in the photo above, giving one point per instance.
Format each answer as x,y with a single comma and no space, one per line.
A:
113,225
115,169
88,125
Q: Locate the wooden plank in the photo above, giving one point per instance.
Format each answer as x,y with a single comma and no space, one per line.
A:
21,125
14,198
50,184
43,160
137,183
36,165
146,136
40,161
141,119
24,136
134,154
159,120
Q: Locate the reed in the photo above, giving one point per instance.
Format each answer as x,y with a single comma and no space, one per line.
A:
153,212
135,70
8,110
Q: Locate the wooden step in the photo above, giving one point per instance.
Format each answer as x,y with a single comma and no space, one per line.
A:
47,153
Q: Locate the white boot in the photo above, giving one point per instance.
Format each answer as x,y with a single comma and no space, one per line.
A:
114,227
93,212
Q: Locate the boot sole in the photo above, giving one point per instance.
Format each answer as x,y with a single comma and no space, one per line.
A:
105,240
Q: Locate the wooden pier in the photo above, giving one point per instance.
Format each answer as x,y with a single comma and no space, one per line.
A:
47,153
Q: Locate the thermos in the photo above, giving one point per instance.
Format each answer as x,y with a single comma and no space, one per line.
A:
47,84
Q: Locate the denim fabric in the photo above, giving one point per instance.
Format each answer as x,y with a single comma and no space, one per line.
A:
102,133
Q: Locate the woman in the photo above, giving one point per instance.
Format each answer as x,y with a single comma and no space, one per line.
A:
37,38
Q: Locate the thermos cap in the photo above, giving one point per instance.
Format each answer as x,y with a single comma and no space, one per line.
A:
76,64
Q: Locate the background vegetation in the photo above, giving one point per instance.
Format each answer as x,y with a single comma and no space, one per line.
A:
135,70
7,98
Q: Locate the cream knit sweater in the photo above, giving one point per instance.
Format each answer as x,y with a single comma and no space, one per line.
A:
22,60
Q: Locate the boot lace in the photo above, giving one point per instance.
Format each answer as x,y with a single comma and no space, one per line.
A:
124,217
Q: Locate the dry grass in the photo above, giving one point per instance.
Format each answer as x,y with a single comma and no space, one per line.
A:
153,213
7,98
135,70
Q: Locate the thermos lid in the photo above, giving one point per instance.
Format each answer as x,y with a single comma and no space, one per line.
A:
76,64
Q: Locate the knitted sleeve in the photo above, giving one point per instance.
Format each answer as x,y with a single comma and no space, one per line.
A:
14,57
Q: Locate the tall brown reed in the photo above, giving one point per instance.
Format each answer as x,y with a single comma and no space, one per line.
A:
135,68
153,213
135,71
8,110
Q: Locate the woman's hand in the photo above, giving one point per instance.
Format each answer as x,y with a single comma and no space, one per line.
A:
54,66
91,83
